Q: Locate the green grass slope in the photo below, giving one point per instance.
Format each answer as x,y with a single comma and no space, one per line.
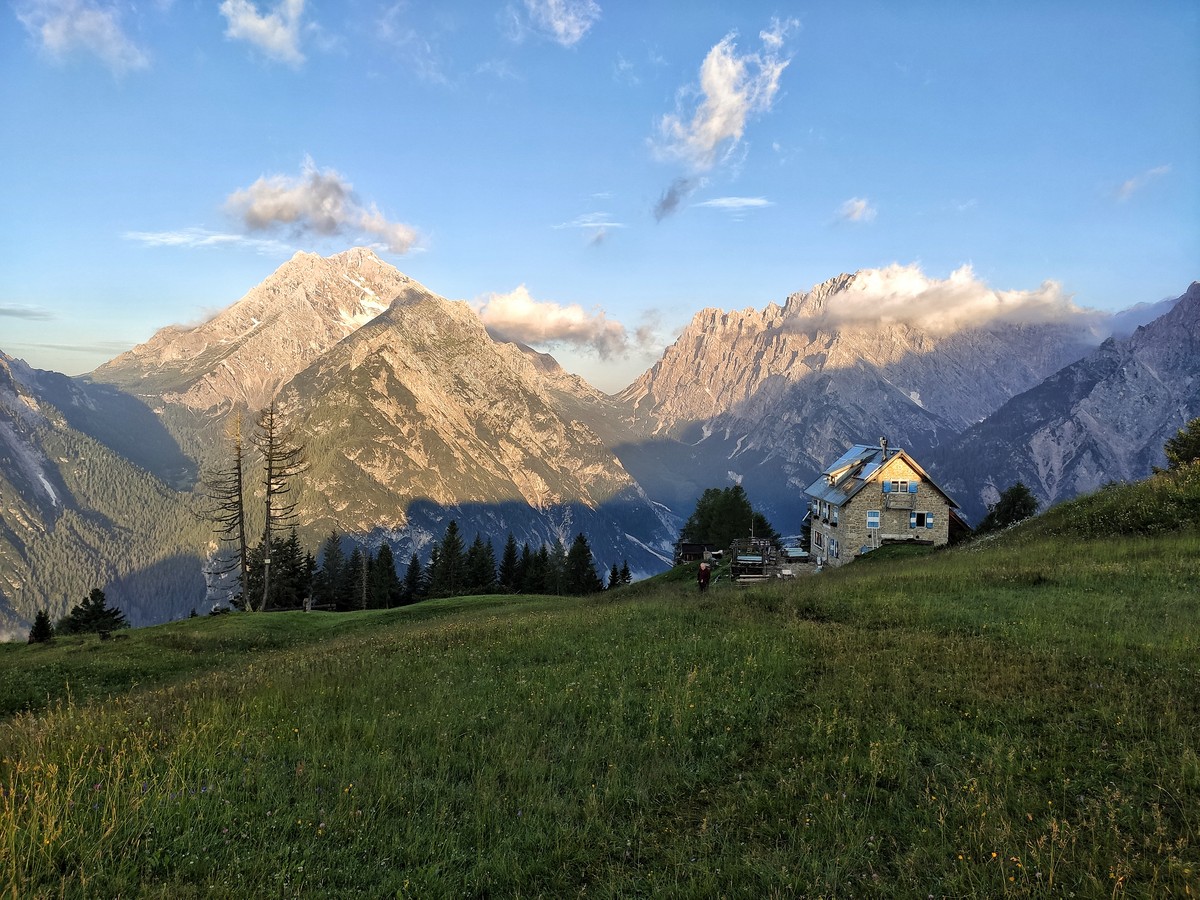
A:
1018,717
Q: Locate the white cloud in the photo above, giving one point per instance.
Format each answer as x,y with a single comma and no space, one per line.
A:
419,51
732,88
735,204
904,294
857,209
517,316
597,225
564,21
64,27
317,202
277,34
194,238
1135,184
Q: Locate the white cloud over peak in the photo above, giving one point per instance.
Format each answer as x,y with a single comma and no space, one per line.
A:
277,33
517,316
857,209
733,87
317,202
906,295
1135,184
66,27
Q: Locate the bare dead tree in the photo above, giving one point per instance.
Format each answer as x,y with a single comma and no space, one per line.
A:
282,459
226,492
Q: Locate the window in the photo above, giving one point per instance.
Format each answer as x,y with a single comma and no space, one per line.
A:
872,518
835,515
818,539
920,520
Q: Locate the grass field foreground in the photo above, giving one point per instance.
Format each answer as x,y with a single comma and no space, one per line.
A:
1014,718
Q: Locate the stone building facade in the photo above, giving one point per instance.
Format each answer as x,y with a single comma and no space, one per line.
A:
871,496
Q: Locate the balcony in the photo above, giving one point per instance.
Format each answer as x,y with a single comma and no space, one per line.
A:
895,500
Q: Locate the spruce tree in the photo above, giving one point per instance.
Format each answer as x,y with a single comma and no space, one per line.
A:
537,575
556,567
614,577
579,571
329,581
42,631
524,564
414,581
626,575
480,567
447,574
92,615
356,580
385,585
508,565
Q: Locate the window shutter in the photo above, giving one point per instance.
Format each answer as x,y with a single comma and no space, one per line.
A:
887,487
912,520
928,520
912,487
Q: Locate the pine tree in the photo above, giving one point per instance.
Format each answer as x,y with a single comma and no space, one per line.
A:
385,585
614,577
357,581
509,563
723,516
414,581
295,577
1016,503
524,564
626,575
537,573
480,567
579,574
328,583
556,566
42,631
446,569
92,615
1184,448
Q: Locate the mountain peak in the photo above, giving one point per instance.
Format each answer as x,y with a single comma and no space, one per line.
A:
249,350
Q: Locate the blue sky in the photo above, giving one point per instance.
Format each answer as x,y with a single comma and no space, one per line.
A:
588,174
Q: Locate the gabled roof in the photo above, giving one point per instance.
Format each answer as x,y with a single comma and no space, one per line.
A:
859,466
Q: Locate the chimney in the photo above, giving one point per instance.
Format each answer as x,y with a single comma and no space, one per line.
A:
883,447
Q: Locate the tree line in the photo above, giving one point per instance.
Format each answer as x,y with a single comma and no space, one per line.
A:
277,572
366,579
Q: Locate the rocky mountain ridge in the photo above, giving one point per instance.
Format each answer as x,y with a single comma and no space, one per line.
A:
772,396
1102,418
413,416
248,351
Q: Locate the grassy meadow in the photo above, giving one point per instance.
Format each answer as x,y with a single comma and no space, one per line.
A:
1016,717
